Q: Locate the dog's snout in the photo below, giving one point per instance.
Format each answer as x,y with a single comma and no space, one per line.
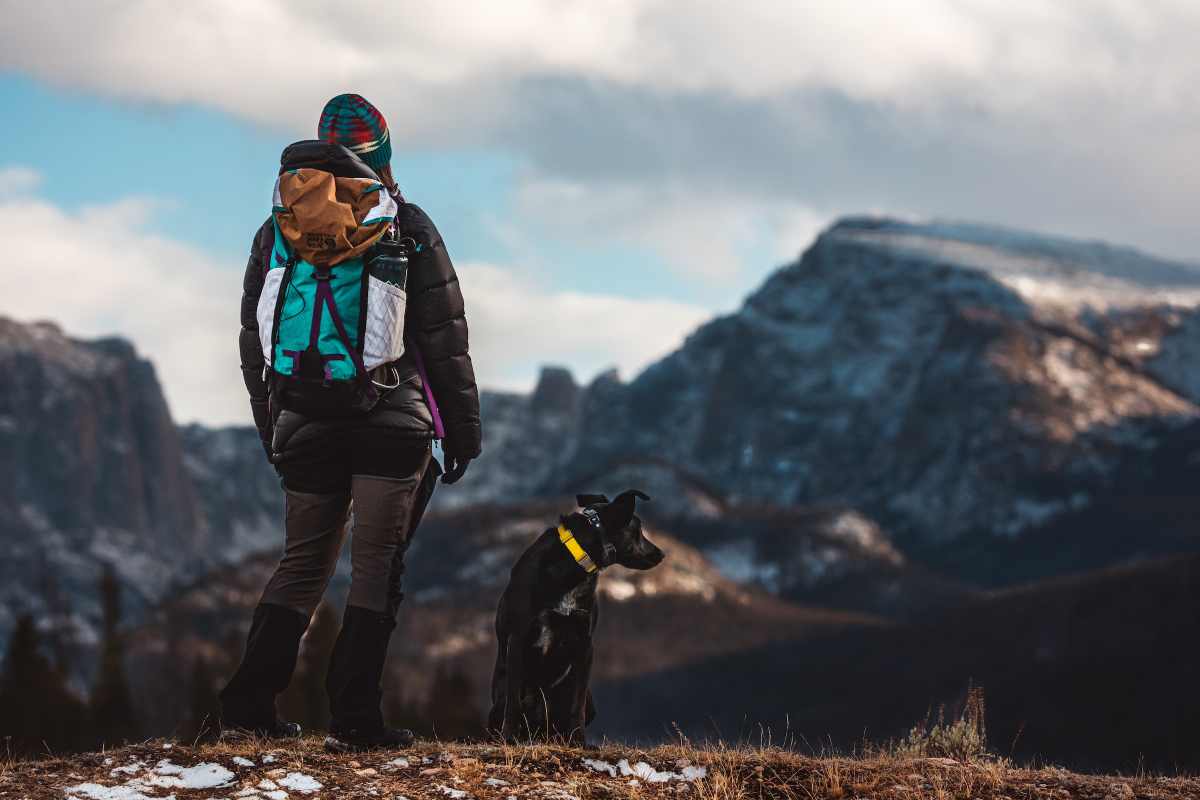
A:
648,556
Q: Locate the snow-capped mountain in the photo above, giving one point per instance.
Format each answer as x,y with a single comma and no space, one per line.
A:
946,380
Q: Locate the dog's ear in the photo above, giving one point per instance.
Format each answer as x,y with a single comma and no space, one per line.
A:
619,512
585,500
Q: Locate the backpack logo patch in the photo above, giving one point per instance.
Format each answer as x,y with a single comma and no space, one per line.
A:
319,241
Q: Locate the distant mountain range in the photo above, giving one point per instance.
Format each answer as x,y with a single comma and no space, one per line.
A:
902,421
996,405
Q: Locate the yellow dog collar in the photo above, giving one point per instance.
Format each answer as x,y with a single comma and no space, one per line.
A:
576,550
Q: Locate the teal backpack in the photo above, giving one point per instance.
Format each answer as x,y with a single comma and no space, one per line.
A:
332,306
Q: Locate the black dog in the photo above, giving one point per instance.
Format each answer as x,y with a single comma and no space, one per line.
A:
548,612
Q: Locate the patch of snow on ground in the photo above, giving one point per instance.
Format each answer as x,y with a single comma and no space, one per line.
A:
242,762
397,763
452,793
201,776
645,772
496,782
299,782
131,768
95,791
600,766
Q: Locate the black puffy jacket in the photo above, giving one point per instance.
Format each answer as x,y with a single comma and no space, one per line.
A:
435,323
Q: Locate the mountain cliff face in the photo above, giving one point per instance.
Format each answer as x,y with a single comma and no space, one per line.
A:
96,475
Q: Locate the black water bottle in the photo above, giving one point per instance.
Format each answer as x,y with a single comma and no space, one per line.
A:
388,260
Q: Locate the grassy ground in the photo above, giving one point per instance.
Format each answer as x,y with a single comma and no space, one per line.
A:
251,769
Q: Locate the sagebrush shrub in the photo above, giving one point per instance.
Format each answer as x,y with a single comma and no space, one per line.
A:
963,739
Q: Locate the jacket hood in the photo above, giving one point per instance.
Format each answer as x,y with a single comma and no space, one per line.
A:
328,205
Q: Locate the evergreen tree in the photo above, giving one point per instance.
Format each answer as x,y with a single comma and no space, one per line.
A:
37,710
56,625
113,719
203,707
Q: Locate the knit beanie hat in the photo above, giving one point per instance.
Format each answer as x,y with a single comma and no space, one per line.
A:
349,120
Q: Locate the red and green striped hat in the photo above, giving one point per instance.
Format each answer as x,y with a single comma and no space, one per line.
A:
352,122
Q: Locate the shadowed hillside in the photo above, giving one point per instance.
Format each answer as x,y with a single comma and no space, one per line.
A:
679,613
1096,671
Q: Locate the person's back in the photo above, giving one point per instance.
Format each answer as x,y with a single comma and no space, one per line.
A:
354,352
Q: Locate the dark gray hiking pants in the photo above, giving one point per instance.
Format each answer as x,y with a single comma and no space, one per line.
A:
384,481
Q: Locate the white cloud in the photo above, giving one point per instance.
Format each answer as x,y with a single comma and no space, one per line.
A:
1075,116
18,180
271,59
686,128
101,272
699,234
274,59
517,324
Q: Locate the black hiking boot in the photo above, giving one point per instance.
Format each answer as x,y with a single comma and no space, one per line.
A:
356,741
248,700
353,681
279,729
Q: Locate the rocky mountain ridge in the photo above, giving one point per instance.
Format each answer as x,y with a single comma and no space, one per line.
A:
948,381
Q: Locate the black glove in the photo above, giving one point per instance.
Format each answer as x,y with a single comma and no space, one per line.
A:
455,468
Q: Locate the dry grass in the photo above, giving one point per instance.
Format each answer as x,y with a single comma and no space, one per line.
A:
549,772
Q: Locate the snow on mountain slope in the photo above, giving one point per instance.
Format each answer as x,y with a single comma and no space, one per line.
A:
948,380
1042,269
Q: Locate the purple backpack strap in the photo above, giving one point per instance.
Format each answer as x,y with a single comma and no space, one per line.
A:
439,430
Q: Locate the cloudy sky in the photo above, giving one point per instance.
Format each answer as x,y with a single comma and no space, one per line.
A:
607,173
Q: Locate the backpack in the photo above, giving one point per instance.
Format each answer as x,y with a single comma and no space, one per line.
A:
333,299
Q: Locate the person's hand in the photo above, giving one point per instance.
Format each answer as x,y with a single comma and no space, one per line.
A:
455,468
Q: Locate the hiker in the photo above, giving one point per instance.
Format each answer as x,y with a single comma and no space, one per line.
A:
354,352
